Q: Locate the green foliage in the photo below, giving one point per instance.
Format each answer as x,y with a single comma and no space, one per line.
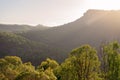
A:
47,67
66,71
15,45
49,63
13,60
86,62
28,76
2,77
50,74
111,61
9,65
82,64
12,68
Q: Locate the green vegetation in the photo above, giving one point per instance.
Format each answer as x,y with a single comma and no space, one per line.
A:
83,63
111,61
12,68
15,45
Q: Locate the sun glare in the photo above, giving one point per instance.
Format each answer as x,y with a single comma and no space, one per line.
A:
103,4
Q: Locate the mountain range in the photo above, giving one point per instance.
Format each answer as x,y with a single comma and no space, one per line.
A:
95,27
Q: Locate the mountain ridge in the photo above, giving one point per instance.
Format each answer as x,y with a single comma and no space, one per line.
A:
20,28
94,25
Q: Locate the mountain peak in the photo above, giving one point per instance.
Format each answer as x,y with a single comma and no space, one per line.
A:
95,11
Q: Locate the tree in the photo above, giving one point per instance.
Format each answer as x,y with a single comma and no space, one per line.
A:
50,74
47,67
82,64
12,68
66,71
14,60
28,76
111,61
8,66
49,63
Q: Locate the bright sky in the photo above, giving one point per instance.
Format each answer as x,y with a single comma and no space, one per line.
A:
49,12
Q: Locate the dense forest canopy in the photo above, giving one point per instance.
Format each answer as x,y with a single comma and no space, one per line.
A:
15,45
82,63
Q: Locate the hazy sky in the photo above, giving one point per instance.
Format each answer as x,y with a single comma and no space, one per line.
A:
49,12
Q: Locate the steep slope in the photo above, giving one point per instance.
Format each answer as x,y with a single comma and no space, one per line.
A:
95,27
15,45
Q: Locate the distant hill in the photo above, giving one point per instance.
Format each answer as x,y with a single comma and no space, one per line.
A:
94,27
16,45
20,28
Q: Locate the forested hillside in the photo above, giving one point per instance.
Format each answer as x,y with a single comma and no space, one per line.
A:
82,63
16,45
